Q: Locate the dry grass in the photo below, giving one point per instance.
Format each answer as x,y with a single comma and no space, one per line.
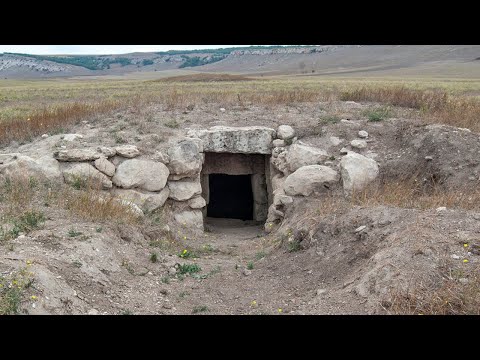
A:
53,106
51,120
410,193
436,106
22,194
205,78
452,291
91,205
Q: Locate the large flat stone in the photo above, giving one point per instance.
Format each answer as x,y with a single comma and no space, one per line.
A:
243,140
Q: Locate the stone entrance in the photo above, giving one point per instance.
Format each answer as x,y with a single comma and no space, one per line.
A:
235,185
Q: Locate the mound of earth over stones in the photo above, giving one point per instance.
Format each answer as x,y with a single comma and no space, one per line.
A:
293,169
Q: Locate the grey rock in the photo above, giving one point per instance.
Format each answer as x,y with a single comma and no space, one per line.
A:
184,189
357,171
105,166
87,174
185,159
285,132
127,151
310,179
302,155
197,202
245,140
358,144
144,174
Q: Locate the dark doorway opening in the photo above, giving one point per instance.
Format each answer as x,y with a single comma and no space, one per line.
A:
231,197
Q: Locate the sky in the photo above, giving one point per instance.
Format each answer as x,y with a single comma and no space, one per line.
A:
100,49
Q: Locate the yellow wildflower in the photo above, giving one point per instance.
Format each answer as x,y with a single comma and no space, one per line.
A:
253,303
280,310
29,262
465,245
465,261
184,238
34,297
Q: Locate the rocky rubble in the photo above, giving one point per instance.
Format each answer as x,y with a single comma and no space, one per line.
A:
296,170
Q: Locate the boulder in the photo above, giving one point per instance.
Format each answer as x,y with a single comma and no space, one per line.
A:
72,137
363,134
18,164
146,201
303,155
105,166
245,140
282,200
76,155
184,189
107,151
285,132
197,202
190,219
279,143
357,171
185,159
274,214
335,141
128,151
359,144
161,157
279,160
310,179
143,174
86,174
277,182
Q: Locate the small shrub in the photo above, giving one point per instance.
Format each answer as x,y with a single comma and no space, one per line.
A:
294,246
250,265
329,119
189,269
78,182
260,255
172,124
153,257
12,289
378,114
200,309
73,233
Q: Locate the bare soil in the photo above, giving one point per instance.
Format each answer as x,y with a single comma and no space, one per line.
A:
108,268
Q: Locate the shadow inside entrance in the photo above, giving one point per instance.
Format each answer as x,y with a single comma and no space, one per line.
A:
231,197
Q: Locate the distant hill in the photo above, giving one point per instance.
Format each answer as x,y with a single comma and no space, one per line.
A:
339,60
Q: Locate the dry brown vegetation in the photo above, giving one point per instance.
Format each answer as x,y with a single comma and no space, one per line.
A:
51,120
411,193
451,291
21,194
436,106
206,77
21,119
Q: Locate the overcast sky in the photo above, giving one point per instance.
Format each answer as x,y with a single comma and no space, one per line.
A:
100,49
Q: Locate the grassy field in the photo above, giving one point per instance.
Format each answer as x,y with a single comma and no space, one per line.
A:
30,107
